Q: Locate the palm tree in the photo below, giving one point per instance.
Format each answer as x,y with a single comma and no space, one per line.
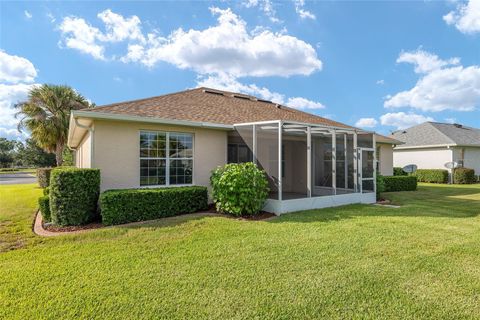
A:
46,115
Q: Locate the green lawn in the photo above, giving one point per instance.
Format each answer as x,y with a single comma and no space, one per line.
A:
419,261
27,170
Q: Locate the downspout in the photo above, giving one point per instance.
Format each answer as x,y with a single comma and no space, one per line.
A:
90,130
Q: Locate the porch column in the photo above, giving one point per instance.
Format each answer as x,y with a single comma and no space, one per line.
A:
309,161
334,161
280,125
345,157
254,138
374,163
355,162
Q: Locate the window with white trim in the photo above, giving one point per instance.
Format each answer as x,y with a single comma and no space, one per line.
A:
166,158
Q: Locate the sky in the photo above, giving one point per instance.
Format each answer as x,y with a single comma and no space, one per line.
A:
381,66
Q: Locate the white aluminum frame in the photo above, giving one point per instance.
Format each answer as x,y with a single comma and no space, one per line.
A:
309,129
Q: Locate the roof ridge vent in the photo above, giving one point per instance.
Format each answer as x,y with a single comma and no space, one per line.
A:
458,125
213,92
263,100
241,97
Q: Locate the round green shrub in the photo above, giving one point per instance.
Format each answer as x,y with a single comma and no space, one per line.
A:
44,204
380,185
74,195
464,176
43,177
239,188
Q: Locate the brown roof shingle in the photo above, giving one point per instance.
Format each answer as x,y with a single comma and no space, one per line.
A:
212,106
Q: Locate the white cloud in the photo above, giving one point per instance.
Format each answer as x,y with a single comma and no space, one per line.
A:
444,85
304,14
51,17
229,48
402,120
266,6
228,83
27,14
304,104
16,77
366,123
16,69
118,28
466,17
424,61
380,82
451,120
79,34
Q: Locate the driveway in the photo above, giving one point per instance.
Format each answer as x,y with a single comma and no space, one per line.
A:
17,178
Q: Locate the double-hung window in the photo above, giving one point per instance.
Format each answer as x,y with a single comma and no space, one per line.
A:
166,158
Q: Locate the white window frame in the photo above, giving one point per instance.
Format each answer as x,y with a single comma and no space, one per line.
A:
167,159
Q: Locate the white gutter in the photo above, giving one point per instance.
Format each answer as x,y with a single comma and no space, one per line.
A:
426,146
90,130
121,117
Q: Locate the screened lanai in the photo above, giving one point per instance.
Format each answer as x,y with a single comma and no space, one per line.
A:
308,165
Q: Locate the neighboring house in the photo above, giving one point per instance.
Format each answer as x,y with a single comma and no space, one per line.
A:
179,138
431,144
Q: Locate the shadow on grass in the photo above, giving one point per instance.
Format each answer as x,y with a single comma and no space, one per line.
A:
428,201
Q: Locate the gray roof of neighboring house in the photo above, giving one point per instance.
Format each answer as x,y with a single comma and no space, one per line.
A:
438,134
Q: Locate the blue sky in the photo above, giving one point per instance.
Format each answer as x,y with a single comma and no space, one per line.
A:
378,65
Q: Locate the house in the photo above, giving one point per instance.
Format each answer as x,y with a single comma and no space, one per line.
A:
432,144
178,139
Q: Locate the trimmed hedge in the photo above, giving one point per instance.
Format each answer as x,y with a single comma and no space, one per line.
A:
239,188
43,177
431,175
397,171
44,204
464,176
400,183
74,195
130,205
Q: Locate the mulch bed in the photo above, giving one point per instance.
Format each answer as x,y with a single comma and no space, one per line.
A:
96,225
53,228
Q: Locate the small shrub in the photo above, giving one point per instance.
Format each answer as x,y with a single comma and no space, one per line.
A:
46,191
239,188
400,183
431,175
130,205
380,185
464,176
44,204
74,195
43,177
397,171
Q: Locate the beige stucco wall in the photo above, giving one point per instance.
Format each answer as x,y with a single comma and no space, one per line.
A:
386,159
83,152
116,154
432,158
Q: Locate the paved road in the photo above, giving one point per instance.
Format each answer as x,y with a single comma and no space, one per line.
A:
17,178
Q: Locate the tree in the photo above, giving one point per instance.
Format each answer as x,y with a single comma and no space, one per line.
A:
31,155
46,115
6,152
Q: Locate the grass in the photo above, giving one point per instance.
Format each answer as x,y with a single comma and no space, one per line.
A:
26,170
356,262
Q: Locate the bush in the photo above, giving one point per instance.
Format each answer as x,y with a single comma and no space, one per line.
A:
130,205
239,188
397,171
44,204
400,183
380,185
46,191
431,175
43,177
464,176
74,195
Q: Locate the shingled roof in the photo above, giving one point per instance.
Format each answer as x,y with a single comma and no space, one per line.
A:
211,106
438,134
